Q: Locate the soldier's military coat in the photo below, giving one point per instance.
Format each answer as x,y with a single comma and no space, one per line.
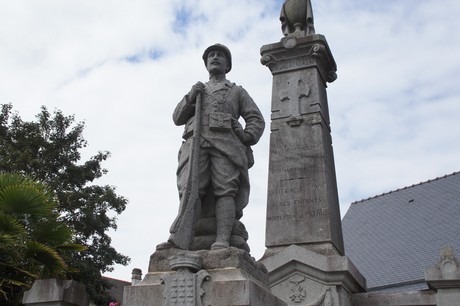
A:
221,103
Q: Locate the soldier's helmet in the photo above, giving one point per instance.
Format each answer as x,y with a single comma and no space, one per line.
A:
219,47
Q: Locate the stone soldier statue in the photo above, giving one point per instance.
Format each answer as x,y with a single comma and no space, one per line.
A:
297,18
215,155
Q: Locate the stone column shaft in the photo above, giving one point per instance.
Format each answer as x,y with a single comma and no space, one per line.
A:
302,206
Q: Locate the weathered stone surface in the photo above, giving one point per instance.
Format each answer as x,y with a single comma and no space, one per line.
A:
297,18
448,297
305,253
239,291
230,286
205,233
213,259
302,206
56,292
224,277
185,286
421,298
446,273
136,276
214,157
148,292
445,278
294,53
299,276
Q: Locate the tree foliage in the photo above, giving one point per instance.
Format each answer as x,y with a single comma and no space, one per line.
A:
34,243
48,149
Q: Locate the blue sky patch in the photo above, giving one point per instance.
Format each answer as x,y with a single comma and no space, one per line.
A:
155,54
134,58
152,54
182,20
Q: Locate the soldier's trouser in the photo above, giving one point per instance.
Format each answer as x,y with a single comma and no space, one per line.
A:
217,171
214,169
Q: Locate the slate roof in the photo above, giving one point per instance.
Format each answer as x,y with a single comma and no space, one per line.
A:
392,238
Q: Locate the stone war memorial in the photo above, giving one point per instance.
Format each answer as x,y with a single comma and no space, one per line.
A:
206,260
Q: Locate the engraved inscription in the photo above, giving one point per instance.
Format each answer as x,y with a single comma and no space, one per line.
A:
282,149
293,161
312,213
294,171
284,65
293,190
281,218
297,202
288,190
317,212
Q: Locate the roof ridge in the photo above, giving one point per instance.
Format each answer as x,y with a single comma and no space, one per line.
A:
395,285
406,187
115,279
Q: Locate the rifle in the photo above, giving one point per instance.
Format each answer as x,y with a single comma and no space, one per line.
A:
183,228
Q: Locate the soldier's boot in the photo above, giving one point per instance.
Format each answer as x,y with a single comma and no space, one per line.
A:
225,217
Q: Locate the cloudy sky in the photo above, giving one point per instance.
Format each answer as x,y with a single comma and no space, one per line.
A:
122,66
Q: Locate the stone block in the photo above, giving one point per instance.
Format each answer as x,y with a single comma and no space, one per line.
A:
213,259
445,278
219,278
448,297
56,292
223,287
413,298
299,276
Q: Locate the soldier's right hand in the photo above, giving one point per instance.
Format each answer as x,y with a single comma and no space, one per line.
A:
198,87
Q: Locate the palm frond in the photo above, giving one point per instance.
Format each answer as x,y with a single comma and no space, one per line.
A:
6,239
46,256
51,232
13,282
11,226
72,247
26,198
8,179
8,269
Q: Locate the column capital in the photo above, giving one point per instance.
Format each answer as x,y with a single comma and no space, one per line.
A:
294,53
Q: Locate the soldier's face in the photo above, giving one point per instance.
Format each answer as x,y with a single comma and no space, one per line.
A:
217,62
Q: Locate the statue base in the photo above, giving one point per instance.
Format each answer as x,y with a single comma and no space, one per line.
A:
299,276
206,277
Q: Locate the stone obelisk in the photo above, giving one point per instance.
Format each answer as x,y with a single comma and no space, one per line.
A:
305,252
302,188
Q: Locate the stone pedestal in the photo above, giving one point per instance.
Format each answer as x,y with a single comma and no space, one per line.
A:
299,276
56,292
302,188
445,278
217,278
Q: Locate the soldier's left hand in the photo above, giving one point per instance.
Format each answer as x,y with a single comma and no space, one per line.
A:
239,131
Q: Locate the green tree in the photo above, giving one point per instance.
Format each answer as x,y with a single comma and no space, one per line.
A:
48,149
34,243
